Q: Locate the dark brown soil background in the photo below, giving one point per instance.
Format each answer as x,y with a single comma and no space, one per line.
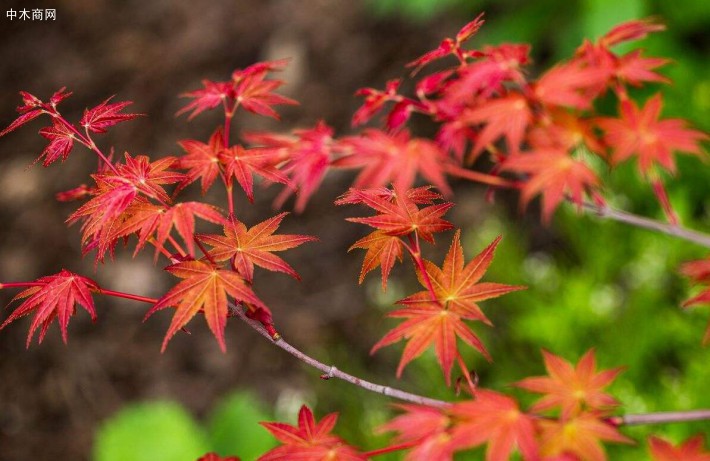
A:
52,397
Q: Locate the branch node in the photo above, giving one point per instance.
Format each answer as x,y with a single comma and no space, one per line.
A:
330,374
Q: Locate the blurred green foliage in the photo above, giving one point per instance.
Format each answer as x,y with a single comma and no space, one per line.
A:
592,283
165,431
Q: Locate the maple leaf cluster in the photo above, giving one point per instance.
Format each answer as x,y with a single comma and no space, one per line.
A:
543,136
435,316
496,420
129,198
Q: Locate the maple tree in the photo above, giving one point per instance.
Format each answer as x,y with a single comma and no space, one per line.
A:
541,136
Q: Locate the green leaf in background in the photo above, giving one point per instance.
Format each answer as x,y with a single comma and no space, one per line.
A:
153,431
234,428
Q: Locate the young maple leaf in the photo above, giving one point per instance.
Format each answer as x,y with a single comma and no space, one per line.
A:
212,95
305,157
148,177
382,251
578,438
572,389
495,419
450,46
554,173
254,246
204,287
508,116
428,428
640,132
56,297
112,197
32,107
201,160
242,164
105,115
61,142
439,317
401,217
150,221
375,101
254,93
393,158
690,450
571,84
309,440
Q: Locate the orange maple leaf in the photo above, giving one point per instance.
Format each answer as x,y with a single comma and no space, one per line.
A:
439,317
572,389
690,450
495,419
399,214
254,246
427,427
382,250
394,158
309,440
554,174
508,116
56,296
579,437
201,160
640,132
205,287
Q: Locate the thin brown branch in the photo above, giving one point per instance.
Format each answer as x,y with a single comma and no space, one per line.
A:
661,417
607,212
330,371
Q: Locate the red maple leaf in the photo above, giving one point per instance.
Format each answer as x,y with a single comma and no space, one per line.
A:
428,428
105,115
508,116
640,132
149,177
309,440
201,160
212,95
495,419
375,101
399,214
572,389
204,288
578,438
112,196
635,29
242,164
438,317
304,157
554,173
450,46
149,221
393,158
32,107
56,296
690,450
61,142
571,84
247,247
254,93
